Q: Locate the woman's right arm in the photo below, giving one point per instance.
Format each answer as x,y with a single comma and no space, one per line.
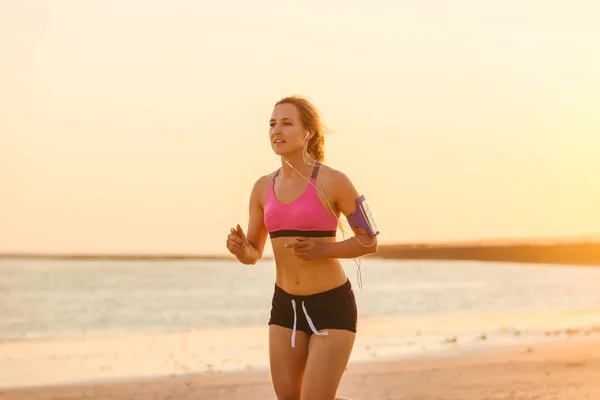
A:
257,232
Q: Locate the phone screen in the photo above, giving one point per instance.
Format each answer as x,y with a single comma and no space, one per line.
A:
369,217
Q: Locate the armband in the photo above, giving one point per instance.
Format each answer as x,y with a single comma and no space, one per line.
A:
362,217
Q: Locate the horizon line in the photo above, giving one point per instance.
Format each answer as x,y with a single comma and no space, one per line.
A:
224,256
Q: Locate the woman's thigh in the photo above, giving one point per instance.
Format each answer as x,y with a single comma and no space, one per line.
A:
287,362
327,359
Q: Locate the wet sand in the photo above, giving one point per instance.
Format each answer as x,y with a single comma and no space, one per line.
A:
567,368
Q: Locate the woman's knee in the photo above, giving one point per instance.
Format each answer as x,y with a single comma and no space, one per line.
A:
287,395
287,363
287,384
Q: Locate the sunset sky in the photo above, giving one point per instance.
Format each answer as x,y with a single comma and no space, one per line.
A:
141,126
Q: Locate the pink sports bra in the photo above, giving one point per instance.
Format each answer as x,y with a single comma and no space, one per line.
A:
305,216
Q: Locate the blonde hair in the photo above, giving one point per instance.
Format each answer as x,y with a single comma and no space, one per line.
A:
311,120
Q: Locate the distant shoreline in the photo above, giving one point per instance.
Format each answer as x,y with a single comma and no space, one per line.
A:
582,253
536,253
119,257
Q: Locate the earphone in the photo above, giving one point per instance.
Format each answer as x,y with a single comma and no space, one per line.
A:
340,222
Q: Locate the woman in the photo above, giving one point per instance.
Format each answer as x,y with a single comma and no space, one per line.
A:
314,314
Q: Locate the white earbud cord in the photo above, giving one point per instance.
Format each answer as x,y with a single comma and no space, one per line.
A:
340,222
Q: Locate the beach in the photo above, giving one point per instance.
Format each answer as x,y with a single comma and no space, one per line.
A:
567,368
188,330
168,167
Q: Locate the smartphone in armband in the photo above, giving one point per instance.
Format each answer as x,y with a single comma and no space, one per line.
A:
363,218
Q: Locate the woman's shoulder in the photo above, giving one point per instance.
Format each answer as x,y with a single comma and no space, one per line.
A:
335,176
263,181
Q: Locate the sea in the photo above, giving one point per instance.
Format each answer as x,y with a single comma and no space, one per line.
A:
66,321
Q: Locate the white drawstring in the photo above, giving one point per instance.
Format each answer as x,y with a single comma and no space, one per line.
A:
295,318
310,323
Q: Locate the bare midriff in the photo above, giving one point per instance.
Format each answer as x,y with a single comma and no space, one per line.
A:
305,277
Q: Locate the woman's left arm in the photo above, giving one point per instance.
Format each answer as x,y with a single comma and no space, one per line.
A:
345,195
344,198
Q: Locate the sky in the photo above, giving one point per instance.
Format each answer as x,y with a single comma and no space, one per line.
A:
141,126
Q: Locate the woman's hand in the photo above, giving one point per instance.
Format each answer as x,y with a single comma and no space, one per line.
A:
236,241
306,248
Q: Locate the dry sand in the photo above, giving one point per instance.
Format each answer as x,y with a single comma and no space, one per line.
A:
566,369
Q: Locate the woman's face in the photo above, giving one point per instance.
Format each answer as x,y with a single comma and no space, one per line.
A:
286,131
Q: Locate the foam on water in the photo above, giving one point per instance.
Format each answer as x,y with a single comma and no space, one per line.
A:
99,357
66,322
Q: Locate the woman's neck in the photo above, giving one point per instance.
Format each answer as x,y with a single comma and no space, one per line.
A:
299,163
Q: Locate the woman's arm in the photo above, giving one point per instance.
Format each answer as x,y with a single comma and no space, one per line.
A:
254,241
345,195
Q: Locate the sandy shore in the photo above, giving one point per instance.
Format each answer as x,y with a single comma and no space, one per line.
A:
568,368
